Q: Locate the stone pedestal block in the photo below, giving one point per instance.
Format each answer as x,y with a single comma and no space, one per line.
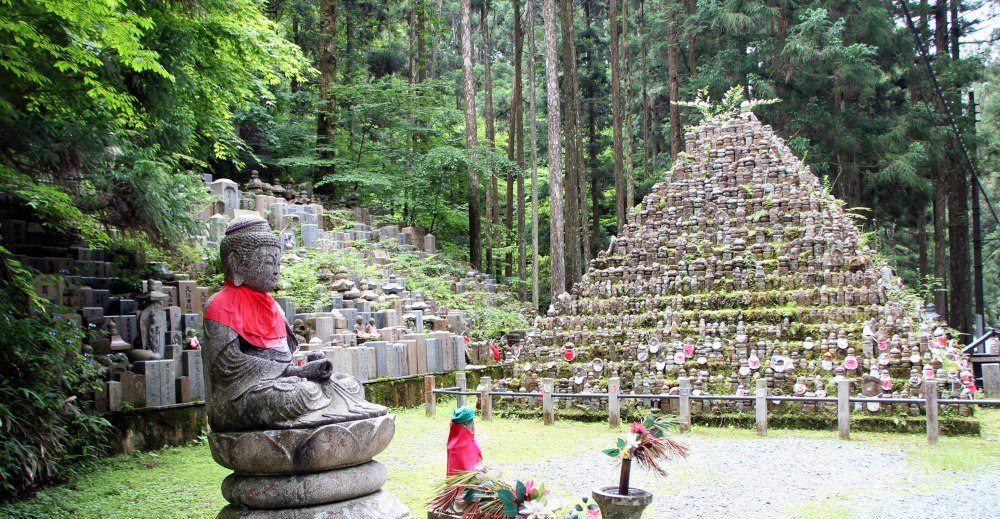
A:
193,368
991,380
301,490
435,355
380,505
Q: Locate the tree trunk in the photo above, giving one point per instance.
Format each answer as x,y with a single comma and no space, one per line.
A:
297,39
616,117
517,123
689,7
492,196
627,115
673,88
491,138
920,221
581,221
956,28
940,195
434,56
940,241
326,123
475,244
647,118
412,57
960,266
571,213
530,14
595,192
941,29
555,150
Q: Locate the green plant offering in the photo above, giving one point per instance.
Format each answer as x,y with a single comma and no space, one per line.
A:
483,494
647,444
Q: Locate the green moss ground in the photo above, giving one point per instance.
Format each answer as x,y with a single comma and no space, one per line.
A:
184,481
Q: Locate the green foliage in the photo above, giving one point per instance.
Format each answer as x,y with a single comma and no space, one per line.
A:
42,377
300,280
731,105
114,103
490,320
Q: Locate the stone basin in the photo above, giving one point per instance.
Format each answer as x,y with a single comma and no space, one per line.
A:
301,451
617,506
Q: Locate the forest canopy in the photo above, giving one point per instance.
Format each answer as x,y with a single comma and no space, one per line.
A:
111,111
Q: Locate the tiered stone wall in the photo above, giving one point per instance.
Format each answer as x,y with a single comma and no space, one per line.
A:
741,266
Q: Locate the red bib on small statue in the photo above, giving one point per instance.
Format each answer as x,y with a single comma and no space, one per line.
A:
463,450
254,315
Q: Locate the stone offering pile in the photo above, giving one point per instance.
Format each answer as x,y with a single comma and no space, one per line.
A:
740,266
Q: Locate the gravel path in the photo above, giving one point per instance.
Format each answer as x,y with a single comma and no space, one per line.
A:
778,478
976,496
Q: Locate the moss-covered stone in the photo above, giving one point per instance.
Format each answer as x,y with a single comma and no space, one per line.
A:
151,428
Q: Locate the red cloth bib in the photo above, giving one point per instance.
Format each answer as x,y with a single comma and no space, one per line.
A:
254,315
463,450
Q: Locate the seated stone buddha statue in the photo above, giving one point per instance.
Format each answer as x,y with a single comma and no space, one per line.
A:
252,383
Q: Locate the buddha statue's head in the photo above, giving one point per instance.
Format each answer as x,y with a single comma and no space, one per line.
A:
251,254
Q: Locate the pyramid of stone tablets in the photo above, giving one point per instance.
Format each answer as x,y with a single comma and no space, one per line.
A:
740,266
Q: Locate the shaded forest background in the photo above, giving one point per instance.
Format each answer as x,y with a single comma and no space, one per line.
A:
110,110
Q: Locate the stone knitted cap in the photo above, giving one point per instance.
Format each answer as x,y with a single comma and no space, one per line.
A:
463,415
245,234
246,224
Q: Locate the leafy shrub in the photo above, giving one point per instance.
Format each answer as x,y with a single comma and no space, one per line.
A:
43,427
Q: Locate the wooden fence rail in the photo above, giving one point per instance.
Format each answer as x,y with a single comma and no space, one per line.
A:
684,397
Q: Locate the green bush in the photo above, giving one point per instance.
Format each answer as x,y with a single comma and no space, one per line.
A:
43,376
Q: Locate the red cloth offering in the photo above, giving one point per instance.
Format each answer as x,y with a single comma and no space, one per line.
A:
254,315
463,450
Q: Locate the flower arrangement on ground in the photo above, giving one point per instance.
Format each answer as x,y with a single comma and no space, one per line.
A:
483,494
646,443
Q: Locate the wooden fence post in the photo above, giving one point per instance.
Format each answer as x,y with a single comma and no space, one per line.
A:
548,407
485,400
460,382
614,407
760,407
931,394
430,399
844,408
685,403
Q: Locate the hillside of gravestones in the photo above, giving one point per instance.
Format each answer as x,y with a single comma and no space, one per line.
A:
739,267
148,341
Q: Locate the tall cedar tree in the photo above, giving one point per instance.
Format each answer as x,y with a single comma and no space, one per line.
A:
529,13
326,124
673,85
555,150
940,189
960,264
591,88
627,115
616,117
571,211
469,91
492,214
517,124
